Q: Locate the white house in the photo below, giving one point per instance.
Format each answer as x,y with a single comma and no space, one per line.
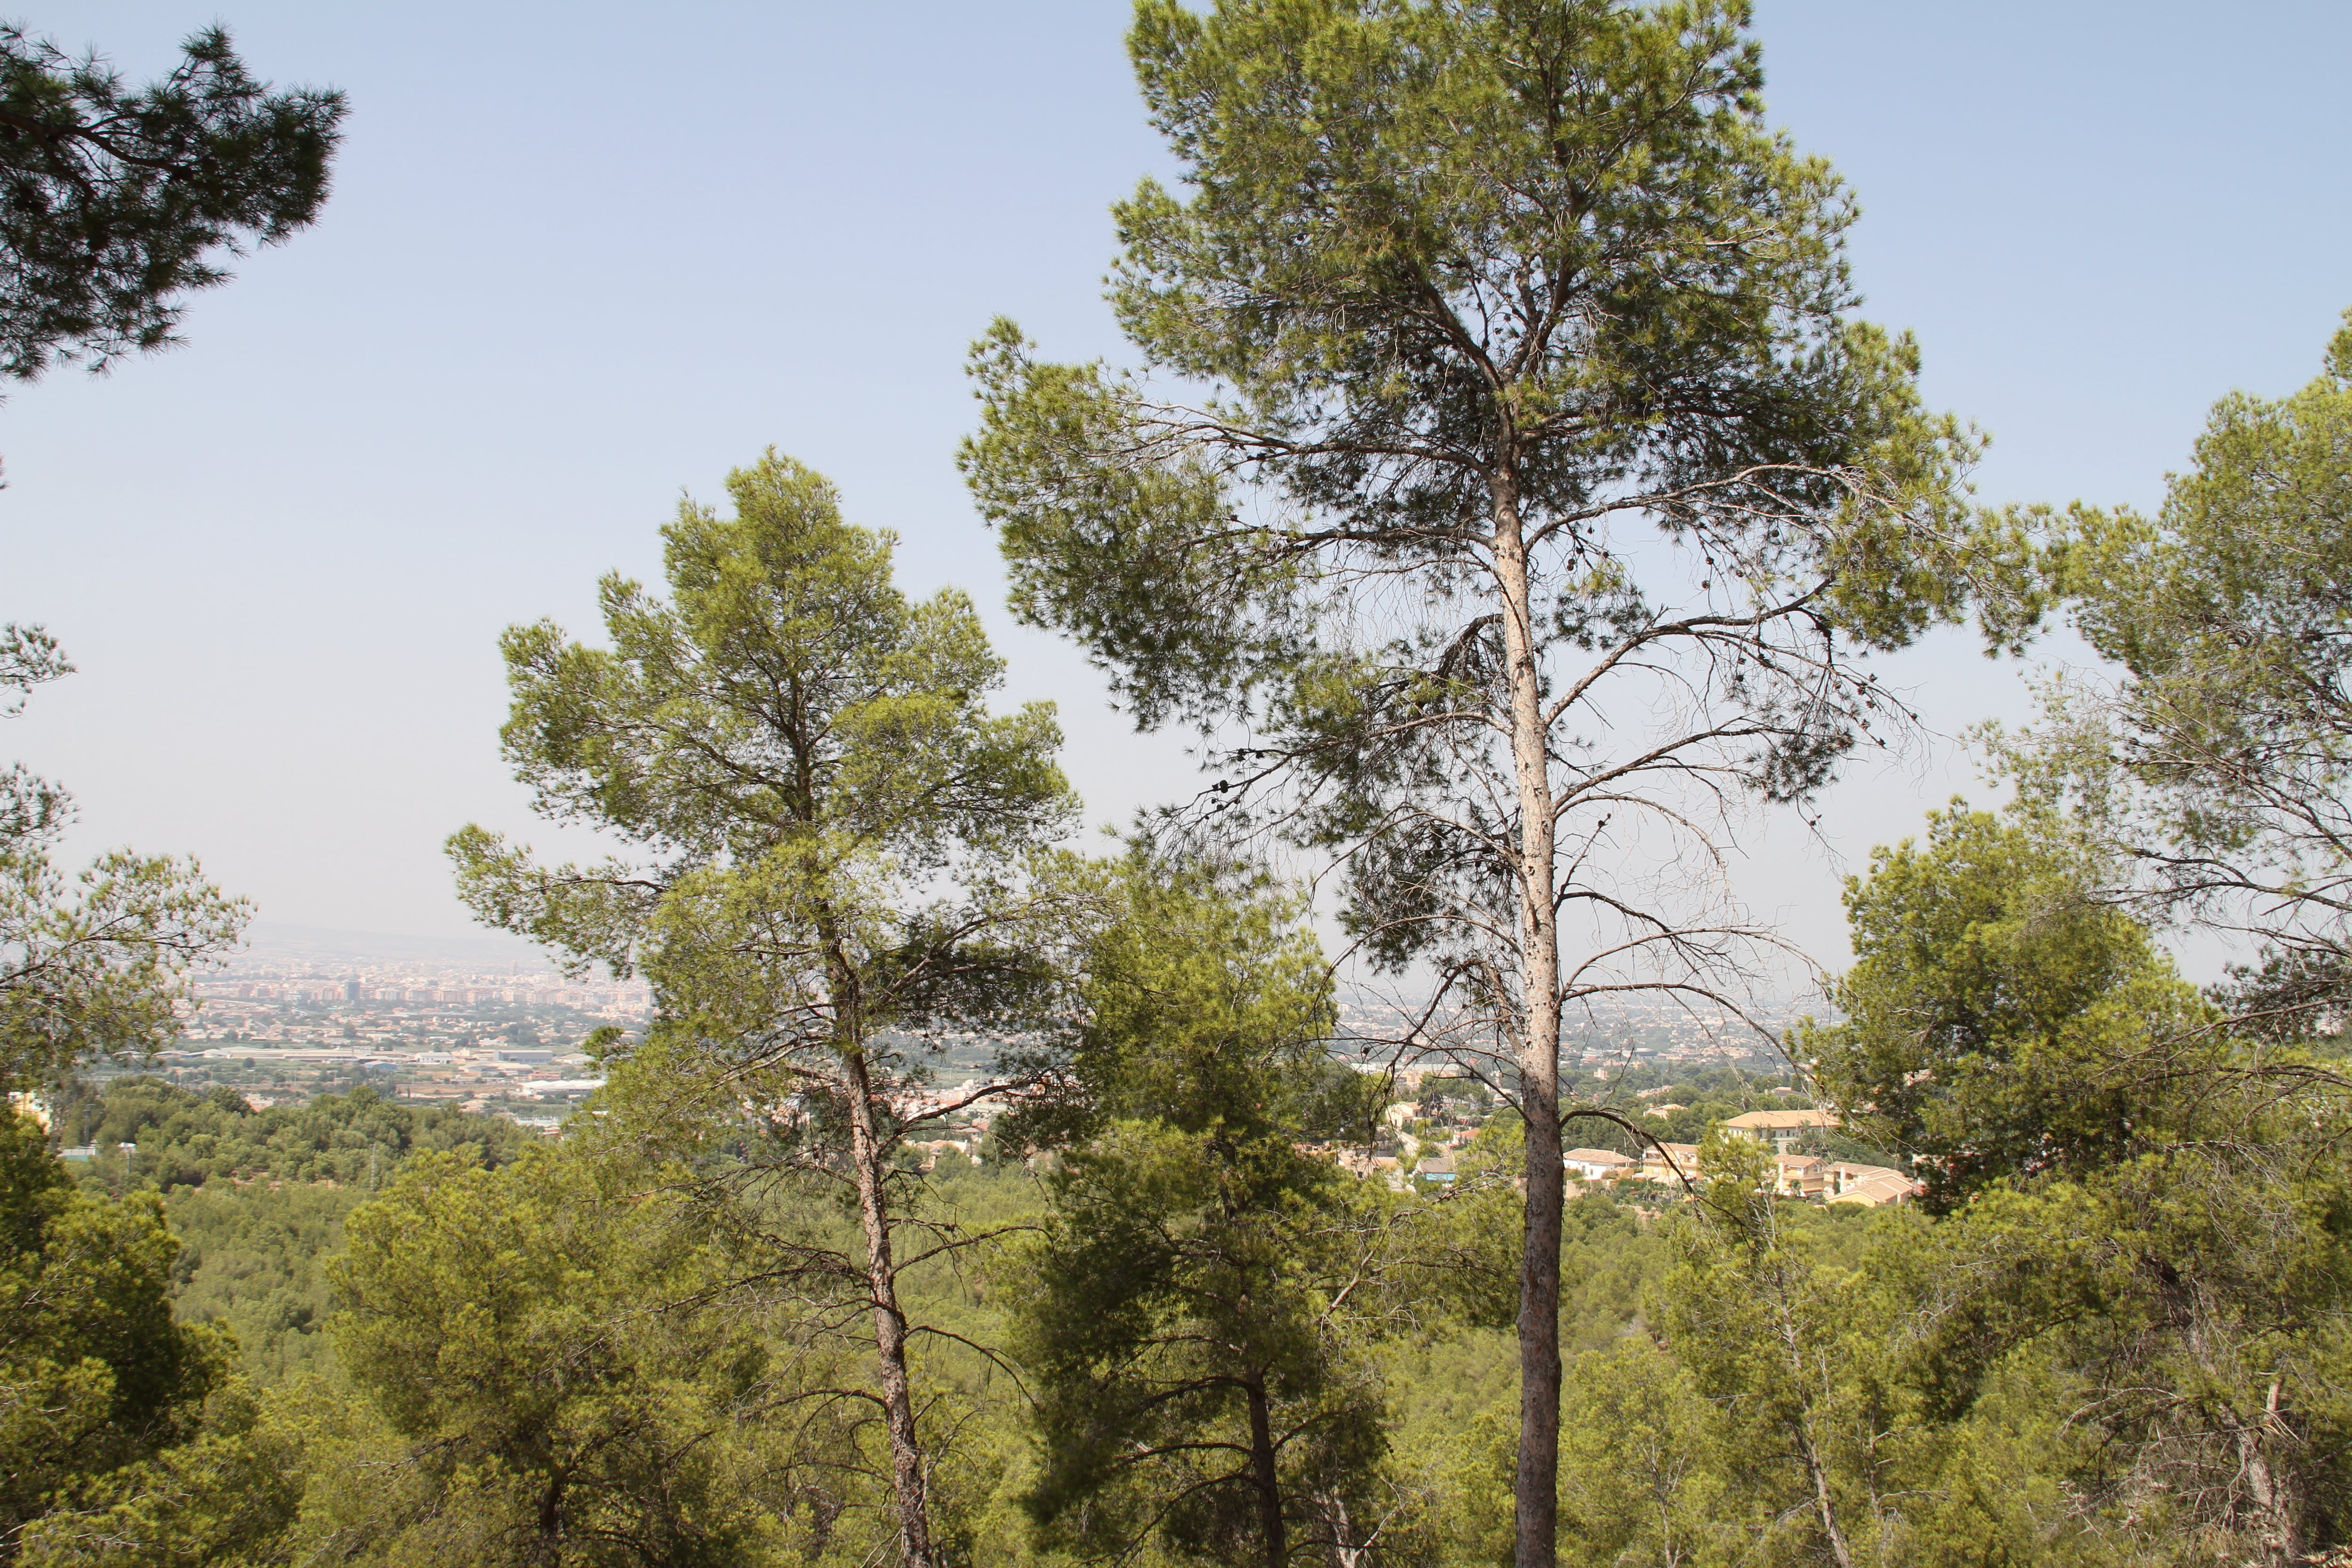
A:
1596,1165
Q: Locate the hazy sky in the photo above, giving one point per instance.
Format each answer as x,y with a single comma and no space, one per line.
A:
581,257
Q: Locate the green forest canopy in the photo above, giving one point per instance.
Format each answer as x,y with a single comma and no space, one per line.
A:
738,1312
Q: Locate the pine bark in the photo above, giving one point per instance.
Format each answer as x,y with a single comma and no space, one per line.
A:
869,1153
2276,1527
1267,1477
1537,1489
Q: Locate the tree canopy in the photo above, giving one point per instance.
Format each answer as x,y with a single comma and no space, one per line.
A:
838,850
2214,764
1197,1308
1506,474
1997,1008
94,1374
120,201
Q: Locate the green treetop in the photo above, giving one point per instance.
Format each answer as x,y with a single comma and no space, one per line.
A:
2001,1020
2216,763
2144,1212
1194,1313
569,1387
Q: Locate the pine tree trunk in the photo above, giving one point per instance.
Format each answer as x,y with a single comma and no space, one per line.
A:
2275,1525
1268,1475
1537,1482
1344,1553
549,1548
1824,1506
869,1154
1783,1297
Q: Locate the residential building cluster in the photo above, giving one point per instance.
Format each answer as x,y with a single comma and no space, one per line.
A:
1421,1138
1822,1178
949,1119
283,1022
1628,1032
